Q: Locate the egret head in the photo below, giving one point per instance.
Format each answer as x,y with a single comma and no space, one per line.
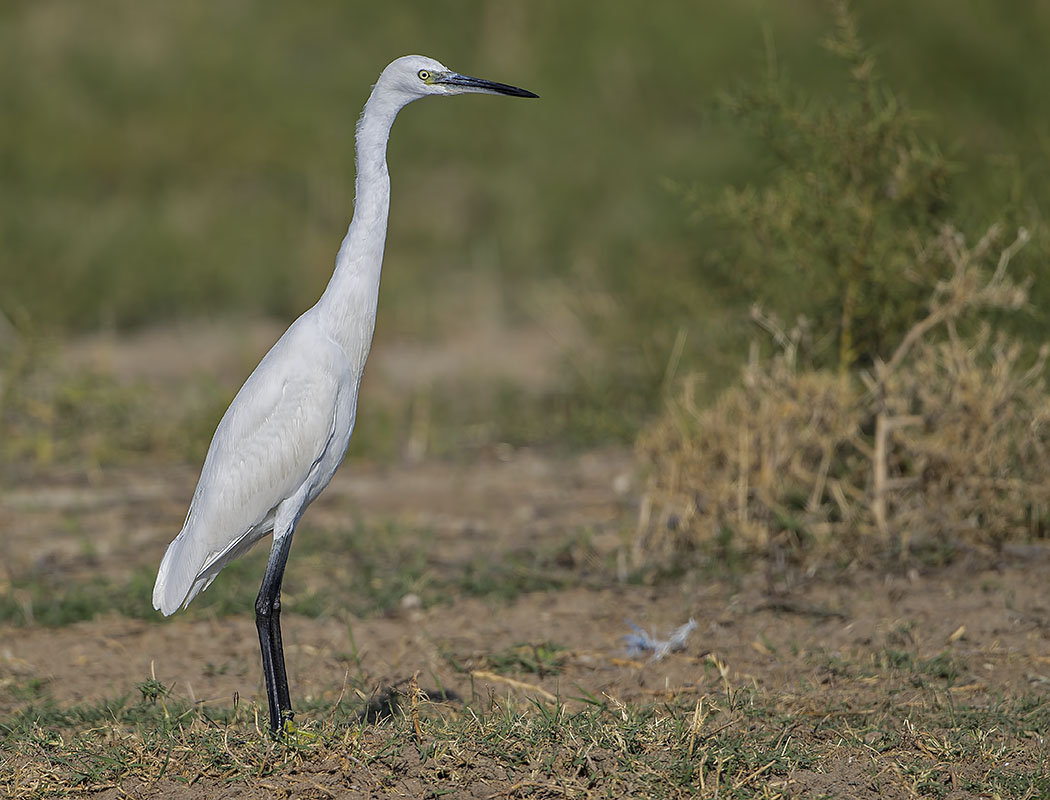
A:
419,76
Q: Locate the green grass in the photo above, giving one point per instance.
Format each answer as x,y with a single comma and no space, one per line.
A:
210,170
733,744
537,658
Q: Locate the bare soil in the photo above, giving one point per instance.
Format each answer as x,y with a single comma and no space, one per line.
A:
991,618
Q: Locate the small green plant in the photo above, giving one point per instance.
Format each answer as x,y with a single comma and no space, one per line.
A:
541,659
152,690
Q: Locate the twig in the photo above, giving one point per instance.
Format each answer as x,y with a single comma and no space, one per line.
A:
415,694
884,426
956,301
795,608
525,687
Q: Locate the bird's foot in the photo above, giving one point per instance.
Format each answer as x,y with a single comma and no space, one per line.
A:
292,733
287,722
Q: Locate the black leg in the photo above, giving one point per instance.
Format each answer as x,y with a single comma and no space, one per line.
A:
268,623
284,702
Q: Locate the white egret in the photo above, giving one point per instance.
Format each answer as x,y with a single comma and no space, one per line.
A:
287,430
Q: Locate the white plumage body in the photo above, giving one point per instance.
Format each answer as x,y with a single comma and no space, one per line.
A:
286,432
279,442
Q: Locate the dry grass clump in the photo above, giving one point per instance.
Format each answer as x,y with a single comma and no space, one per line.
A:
946,442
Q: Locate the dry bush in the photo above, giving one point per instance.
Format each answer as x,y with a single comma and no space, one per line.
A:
946,442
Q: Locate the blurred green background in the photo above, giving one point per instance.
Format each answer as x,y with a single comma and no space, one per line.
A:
182,161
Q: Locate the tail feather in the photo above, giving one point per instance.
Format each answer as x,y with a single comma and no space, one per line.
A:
176,577
187,569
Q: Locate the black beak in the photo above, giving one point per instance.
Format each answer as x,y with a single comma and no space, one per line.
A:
478,85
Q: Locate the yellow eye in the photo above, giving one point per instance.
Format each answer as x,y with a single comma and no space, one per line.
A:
423,75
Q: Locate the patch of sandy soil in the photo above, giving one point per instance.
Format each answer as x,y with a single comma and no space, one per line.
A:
778,646
481,347
106,523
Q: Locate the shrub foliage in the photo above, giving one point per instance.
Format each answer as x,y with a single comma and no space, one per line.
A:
928,426
855,189
946,441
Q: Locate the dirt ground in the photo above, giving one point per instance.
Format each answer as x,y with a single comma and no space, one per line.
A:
816,646
992,618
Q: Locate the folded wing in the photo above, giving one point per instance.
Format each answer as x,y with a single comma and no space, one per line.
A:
266,447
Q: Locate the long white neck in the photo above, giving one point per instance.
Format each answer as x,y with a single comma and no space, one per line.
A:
347,308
